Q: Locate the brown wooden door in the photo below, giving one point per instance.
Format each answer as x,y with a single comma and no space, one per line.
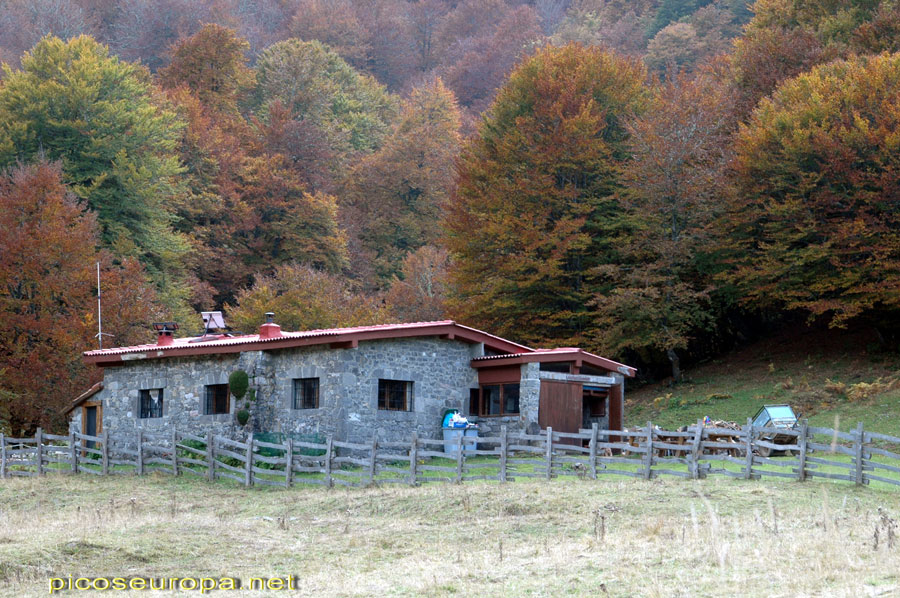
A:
560,406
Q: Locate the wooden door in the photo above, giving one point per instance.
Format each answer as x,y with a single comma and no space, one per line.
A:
91,421
560,406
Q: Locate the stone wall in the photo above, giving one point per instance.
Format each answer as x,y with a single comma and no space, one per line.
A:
348,385
348,388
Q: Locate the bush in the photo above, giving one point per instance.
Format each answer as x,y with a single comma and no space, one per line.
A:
243,416
239,382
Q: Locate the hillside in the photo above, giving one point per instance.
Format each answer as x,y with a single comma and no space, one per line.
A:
823,375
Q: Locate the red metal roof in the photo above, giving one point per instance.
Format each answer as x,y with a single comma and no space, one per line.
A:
350,337
335,336
550,355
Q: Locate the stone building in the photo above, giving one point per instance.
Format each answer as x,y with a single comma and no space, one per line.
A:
349,382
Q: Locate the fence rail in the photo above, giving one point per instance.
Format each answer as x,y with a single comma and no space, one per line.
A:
750,452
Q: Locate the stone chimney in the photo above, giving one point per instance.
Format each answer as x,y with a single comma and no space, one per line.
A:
270,329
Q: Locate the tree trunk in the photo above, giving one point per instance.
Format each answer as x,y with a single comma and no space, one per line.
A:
676,364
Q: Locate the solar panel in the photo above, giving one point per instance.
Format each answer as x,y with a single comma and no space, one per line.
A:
213,320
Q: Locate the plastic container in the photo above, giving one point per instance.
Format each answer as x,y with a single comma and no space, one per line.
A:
451,436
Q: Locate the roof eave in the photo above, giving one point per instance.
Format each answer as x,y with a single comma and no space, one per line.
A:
448,329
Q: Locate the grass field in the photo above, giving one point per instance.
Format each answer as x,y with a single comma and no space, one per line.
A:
664,538
823,376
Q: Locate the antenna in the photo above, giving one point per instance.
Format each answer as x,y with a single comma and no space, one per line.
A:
100,334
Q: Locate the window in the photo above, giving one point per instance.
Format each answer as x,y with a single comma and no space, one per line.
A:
306,393
395,395
559,367
496,399
151,403
216,399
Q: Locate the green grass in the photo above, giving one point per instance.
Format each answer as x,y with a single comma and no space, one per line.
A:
821,376
611,537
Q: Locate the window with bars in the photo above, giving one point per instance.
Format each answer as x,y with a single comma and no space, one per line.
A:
151,403
395,395
306,393
216,399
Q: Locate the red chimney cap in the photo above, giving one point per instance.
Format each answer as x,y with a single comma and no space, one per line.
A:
270,329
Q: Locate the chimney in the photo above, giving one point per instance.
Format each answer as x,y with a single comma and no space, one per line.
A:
166,332
270,329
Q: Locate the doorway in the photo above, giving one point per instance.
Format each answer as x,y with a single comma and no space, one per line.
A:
91,421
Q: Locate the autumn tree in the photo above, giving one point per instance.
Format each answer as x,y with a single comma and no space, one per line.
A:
534,208
247,210
212,64
304,298
419,292
48,252
114,136
785,39
816,222
24,22
395,198
316,84
336,24
658,294
486,60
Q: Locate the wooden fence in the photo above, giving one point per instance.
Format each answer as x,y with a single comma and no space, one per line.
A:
859,457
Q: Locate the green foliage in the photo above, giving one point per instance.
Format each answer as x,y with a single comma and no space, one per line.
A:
670,11
316,84
243,416
657,295
815,226
238,382
114,136
534,211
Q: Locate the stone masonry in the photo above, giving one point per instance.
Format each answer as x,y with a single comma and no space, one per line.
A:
439,369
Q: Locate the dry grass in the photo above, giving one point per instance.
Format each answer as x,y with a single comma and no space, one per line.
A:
577,538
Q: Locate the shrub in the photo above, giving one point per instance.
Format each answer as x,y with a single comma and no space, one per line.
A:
239,382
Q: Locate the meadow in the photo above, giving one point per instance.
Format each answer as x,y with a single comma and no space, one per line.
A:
575,537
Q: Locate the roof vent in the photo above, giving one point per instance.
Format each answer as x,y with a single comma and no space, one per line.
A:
166,331
270,329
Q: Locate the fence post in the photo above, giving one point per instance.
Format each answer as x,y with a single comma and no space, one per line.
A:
801,471
696,449
140,451
2,456
210,456
748,447
329,450
459,457
175,452
73,452
413,458
648,463
858,448
504,451
549,456
39,450
372,461
248,471
105,452
288,462
594,437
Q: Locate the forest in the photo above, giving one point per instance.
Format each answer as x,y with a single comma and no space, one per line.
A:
651,180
